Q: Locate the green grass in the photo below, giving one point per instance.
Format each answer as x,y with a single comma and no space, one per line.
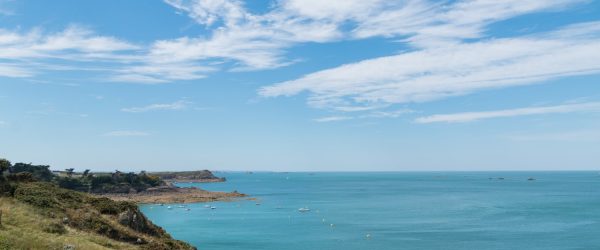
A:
40,215
23,227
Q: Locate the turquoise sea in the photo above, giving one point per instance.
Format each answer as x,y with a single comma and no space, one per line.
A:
399,210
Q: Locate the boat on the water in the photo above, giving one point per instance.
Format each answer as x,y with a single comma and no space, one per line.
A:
303,209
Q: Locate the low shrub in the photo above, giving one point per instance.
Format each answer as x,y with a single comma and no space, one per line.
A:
55,228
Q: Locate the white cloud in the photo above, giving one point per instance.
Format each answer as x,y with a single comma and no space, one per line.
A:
333,118
208,12
126,133
259,41
178,105
370,115
250,41
14,71
75,41
430,24
451,70
20,52
237,39
388,114
567,136
474,116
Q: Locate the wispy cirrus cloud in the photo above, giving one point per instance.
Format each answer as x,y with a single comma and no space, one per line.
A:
260,41
333,118
455,69
563,136
26,54
238,39
14,71
126,133
475,116
74,41
178,105
370,115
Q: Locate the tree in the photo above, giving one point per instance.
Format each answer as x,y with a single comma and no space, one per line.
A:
39,172
4,165
85,173
69,172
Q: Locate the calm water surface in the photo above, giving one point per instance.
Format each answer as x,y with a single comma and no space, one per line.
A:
459,210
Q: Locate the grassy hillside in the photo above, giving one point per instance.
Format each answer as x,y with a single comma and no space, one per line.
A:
40,215
24,228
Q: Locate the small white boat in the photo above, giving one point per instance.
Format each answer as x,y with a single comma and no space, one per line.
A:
303,209
181,206
169,207
213,207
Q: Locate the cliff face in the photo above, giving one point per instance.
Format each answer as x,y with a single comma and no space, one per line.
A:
70,212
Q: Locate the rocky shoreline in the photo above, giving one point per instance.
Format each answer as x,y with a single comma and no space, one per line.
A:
193,180
170,194
188,176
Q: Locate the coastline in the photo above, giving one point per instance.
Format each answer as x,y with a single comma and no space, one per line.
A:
173,181
174,195
170,193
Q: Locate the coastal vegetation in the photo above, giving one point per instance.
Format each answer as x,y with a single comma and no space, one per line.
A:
189,176
97,183
41,210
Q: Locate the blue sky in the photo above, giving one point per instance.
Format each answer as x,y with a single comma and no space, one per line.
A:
308,85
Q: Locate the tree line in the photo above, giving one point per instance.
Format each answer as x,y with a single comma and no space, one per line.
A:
86,181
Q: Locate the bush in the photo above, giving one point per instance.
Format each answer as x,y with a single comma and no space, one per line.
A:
48,195
39,172
6,188
107,206
95,223
38,197
72,183
55,228
21,177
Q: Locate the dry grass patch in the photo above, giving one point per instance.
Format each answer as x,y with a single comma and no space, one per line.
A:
23,227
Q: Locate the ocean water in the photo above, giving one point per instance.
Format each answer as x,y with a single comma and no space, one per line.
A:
414,210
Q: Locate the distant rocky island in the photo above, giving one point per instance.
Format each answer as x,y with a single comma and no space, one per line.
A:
189,176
